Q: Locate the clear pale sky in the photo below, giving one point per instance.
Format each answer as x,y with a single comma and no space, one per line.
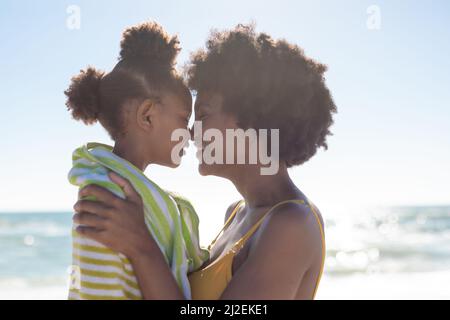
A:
391,143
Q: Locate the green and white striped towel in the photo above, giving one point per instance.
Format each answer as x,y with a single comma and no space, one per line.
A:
100,273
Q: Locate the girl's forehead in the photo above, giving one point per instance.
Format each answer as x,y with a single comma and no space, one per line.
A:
178,102
208,100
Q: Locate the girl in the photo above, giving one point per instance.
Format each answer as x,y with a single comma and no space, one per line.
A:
140,103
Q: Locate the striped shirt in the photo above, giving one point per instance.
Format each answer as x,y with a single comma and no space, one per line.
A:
100,273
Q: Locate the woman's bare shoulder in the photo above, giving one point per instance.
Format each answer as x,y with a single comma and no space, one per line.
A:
294,222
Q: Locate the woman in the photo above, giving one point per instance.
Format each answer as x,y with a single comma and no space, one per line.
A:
272,245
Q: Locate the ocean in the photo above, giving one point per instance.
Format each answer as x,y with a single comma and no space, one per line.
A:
381,253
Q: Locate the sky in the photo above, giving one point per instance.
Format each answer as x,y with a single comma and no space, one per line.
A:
391,137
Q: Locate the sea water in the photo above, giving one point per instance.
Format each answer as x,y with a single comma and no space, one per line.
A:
395,252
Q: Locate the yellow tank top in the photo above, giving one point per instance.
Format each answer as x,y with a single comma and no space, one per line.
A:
210,282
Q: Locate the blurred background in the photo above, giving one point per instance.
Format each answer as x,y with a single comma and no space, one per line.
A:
382,186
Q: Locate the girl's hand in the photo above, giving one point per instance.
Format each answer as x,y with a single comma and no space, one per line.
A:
116,223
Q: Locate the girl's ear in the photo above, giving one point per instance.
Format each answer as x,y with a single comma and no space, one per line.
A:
146,113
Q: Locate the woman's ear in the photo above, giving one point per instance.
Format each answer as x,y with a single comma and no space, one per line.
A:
145,114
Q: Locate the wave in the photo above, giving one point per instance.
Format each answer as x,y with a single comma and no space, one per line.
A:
37,224
398,239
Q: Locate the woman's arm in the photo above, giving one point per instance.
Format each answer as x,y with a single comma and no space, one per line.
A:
281,254
155,278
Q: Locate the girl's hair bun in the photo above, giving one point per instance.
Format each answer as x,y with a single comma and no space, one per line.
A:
83,95
148,42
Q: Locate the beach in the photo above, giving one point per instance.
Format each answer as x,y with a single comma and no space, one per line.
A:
433,285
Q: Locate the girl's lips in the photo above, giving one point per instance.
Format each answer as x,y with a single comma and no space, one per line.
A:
199,153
